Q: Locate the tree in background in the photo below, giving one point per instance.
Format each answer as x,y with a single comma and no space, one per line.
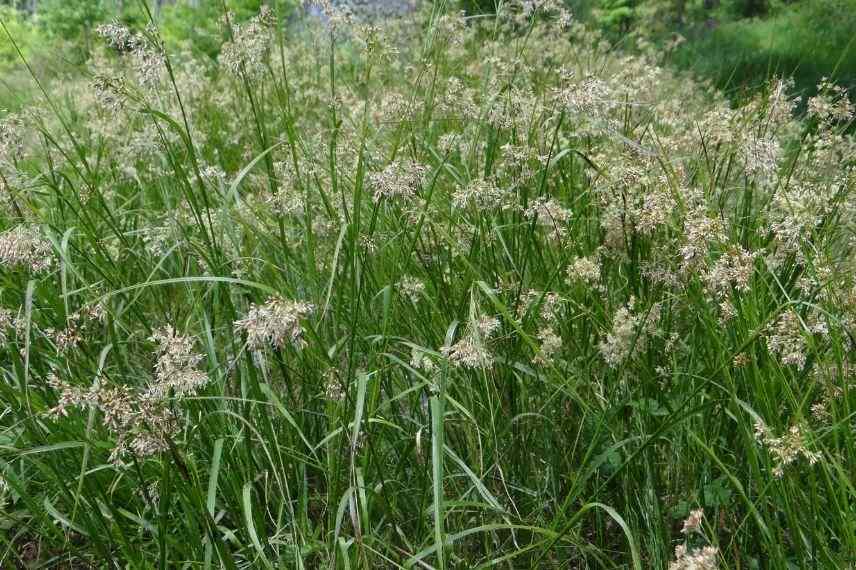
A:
616,14
658,16
196,23
20,28
72,19
750,8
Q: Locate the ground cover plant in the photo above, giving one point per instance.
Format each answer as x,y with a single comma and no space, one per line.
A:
426,292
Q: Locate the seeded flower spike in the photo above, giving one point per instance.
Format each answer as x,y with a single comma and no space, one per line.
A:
700,230
550,214
693,522
698,559
551,343
142,425
468,353
629,335
785,339
25,246
412,288
786,449
142,421
7,321
584,270
176,369
11,142
146,56
249,48
119,37
471,351
277,322
480,194
733,269
400,179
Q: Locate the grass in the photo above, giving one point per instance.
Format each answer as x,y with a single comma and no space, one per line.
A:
440,294
807,41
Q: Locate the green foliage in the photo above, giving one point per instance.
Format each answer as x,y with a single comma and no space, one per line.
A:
190,25
806,41
478,6
22,32
617,15
747,8
198,26
72,19
452,294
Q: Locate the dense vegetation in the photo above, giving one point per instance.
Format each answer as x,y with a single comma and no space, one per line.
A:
806,41
740,45
433,292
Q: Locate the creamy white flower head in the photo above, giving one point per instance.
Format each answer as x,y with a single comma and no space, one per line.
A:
785,339
248,50
25,246
275,323
693,522
584,270
411,287
697,559
176,369
400,179
468,353
786,449
629,334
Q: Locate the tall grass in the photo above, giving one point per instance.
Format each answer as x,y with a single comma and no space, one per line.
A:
434,293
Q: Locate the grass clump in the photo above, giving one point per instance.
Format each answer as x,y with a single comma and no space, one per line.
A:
429,293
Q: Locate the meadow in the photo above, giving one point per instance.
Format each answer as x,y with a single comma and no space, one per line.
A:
431,291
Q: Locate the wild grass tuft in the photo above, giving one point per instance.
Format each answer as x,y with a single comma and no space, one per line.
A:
431,292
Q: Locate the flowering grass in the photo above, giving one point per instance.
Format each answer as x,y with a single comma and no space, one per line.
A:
432,292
